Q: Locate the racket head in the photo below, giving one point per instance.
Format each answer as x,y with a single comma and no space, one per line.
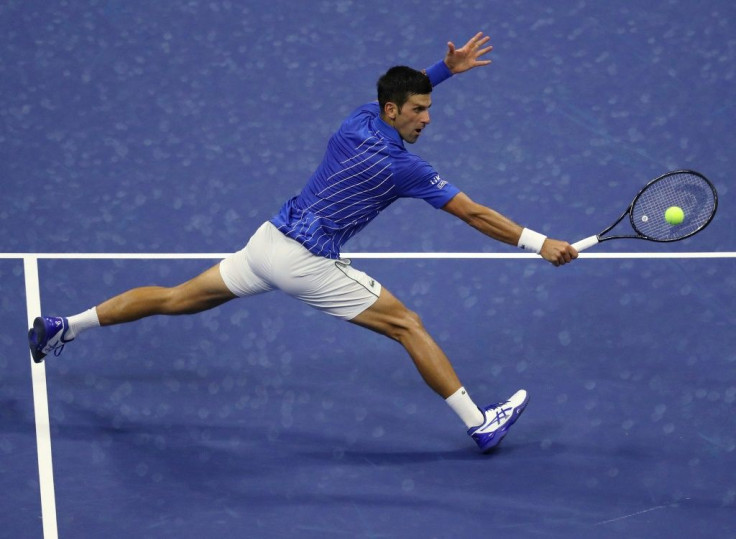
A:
689,190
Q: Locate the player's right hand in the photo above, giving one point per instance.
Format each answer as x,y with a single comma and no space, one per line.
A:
558,252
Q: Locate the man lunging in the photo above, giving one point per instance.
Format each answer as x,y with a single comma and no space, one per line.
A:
365,168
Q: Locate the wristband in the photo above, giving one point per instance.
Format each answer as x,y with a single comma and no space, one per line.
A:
438,72
531,241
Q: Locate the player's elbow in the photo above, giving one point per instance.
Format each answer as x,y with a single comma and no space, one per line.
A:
462,207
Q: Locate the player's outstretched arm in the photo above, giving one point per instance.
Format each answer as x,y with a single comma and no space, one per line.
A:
488,221
501,228
469,55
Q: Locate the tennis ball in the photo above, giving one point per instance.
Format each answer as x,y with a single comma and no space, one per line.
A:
674,215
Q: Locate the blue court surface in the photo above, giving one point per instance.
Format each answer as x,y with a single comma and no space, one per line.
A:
150,138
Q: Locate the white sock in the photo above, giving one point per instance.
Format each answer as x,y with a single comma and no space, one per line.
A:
465,408
80,322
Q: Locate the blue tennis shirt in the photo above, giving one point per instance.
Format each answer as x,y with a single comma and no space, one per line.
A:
365,168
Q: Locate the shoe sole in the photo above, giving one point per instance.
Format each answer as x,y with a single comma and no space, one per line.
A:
505,429
39,332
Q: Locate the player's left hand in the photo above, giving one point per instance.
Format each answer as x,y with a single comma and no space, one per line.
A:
558,252
467,57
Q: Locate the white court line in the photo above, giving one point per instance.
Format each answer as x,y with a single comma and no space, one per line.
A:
420,256
41,408
38,371
509,256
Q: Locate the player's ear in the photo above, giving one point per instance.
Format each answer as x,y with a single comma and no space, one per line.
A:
390,110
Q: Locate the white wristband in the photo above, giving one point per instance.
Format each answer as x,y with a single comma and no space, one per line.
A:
531,241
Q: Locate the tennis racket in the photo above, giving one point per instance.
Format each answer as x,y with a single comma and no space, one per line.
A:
687,189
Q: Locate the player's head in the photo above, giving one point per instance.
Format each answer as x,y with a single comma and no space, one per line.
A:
398,83
404,98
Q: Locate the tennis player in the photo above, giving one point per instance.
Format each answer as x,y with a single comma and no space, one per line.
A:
366,167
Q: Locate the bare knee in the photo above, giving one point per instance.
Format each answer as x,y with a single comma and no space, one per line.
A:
404,325
389,317
174,300
181,299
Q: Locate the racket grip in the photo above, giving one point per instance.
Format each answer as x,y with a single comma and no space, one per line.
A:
583,244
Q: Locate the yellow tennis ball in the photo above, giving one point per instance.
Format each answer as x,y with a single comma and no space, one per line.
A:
674,215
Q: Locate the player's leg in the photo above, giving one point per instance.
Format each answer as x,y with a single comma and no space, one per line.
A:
335,287
390,317
205,291
237,275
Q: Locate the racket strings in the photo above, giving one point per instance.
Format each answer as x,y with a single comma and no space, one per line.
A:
686,190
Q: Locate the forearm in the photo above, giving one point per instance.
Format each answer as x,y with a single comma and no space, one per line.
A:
501,228
493,224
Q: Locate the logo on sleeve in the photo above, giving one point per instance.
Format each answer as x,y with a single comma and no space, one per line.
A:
438,182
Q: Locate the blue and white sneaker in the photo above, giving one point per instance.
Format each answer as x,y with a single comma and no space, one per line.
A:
498,420
47,335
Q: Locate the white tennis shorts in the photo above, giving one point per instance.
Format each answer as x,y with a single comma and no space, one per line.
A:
271,261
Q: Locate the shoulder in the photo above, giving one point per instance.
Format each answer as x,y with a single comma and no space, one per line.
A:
413,166
367,111
360,121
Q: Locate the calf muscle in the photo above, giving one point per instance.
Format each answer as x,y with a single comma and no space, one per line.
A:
204,292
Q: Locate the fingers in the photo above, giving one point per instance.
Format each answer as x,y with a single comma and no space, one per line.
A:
483,41
568,254
478,54
562,254
475,49
565,257
477,40
468,56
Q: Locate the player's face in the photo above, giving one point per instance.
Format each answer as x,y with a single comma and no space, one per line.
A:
413,117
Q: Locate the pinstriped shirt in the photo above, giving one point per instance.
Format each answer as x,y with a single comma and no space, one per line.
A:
365,168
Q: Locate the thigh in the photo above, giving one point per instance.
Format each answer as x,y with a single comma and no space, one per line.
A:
205,291
385,315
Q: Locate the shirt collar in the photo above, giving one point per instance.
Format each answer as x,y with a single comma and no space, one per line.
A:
389,131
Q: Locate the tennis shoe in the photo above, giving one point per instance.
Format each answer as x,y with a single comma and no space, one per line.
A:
498,420
47,335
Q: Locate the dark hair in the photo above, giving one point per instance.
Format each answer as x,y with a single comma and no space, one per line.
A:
400,82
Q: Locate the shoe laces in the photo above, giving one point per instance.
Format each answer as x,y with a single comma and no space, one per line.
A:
501,412
62,341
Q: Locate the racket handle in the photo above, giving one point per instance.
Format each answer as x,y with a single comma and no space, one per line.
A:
583,244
